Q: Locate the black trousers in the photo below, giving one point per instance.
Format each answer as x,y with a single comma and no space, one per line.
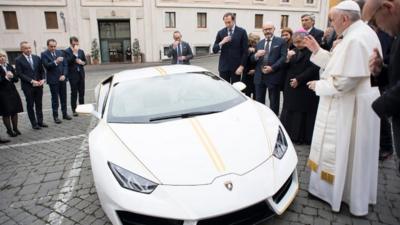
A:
77,87
385,142
33,96
229,76
273,95
396,135
58,92
249,81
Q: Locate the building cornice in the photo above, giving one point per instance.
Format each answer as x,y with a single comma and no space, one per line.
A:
33,3
256,6
133,3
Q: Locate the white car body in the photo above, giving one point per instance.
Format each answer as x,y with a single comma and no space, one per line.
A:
207,168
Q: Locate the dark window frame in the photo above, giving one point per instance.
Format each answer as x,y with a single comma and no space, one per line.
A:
49,17
200,17
257,23
171,22
10,15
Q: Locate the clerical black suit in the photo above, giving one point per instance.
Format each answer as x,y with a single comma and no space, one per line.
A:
29,72
300,104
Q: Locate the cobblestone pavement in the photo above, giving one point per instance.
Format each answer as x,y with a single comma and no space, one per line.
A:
46,176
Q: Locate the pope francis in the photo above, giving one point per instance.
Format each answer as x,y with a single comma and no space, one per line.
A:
344,150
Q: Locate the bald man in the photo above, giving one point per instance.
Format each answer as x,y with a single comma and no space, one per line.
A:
270,57
386,13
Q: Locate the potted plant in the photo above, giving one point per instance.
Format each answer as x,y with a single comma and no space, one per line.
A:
136,51
95,51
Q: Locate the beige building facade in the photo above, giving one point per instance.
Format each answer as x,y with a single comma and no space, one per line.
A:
115,24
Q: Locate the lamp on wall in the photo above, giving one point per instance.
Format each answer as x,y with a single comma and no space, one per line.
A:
35,45
63,19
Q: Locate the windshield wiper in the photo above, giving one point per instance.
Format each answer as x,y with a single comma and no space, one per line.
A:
183,115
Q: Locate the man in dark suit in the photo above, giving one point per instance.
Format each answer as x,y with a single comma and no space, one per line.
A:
76,61
179,50
232,41
308,22
30,69
270,56
386,15
56,69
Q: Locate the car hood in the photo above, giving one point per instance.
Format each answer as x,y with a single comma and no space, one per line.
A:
195,151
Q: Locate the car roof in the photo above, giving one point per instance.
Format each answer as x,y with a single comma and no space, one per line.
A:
155,71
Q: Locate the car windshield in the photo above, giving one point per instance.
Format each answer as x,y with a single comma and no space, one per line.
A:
157,99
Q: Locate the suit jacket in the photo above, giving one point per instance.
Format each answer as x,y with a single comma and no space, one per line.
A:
386,42
276,59
25,72
317,34
186,51
54,71
233,53
74,69
388,105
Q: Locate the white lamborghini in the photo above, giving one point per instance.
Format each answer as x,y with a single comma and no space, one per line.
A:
177,145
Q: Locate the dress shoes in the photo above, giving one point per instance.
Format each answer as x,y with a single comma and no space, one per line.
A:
3,141
43,125
67,117
11,133
57,121
383,155
36,127
75,114
17,132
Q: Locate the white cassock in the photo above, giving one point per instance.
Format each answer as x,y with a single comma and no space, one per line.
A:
345,146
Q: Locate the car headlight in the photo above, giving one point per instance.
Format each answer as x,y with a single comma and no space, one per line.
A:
281,145
132,181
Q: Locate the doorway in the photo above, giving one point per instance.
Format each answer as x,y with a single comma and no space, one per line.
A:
115,38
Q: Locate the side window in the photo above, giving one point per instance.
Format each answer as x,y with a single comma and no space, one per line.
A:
101,92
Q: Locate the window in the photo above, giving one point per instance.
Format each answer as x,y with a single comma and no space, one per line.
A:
170,21
10,18
12,55
284,21
285,1
309,2
258,22
201,20
51,20
166,50
202,50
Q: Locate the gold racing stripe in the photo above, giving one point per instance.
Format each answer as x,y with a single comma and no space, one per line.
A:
160,71
208,145
163,70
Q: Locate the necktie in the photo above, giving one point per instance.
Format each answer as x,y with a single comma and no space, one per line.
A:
31,62
54,55
267,47
230,32
179,52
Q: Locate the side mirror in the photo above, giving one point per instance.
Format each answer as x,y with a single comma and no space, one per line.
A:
87,109
240,86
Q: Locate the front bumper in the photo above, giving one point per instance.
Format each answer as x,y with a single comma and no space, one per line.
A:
199,205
